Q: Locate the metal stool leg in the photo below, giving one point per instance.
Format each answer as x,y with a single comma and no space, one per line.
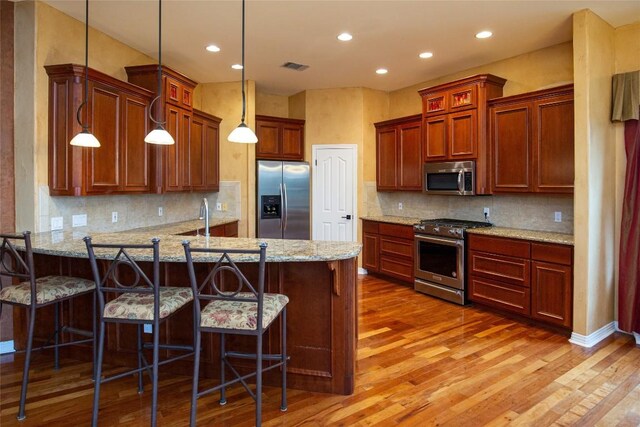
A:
140,385
27,361
156,351
196,376
223,398
259,382
95,337
96,390
56,336
283,352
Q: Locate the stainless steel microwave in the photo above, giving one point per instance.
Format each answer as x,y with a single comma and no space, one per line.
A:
456,178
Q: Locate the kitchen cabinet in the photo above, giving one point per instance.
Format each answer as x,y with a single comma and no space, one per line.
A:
528,278
192,163
388,250
222,230
532,142
455,121
279,138
117,115
398,154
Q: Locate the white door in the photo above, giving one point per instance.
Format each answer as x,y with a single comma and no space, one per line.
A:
334,192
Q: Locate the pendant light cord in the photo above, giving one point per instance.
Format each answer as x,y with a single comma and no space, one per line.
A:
85,126
244,101
159,122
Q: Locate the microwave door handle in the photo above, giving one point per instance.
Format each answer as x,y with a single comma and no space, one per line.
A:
461,182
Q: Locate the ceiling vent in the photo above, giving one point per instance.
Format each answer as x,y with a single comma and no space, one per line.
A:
294,66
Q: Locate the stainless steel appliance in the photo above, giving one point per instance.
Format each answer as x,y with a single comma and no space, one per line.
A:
440,258
282,200
456,178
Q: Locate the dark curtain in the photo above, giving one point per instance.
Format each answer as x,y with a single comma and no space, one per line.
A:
629,269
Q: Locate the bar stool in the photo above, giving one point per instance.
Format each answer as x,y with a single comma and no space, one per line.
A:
141,301
35,293
244,310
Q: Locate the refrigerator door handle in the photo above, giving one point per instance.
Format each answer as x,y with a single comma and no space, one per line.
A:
286,208
282,212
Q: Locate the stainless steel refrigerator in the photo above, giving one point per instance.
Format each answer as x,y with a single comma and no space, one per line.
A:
282,200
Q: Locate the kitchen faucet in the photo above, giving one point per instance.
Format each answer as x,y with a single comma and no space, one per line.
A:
204,214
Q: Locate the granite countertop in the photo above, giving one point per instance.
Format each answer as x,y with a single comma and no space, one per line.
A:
70,244
392,219
516,233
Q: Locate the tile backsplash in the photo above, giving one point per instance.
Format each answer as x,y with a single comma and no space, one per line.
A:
530,212
136,210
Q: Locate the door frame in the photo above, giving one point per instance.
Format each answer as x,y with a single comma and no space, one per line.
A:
314,195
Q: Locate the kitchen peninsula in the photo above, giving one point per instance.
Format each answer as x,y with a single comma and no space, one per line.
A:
319,277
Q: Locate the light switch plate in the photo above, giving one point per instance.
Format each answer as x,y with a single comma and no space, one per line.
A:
79,220
557,217
56,223
160,211
218,206
114,216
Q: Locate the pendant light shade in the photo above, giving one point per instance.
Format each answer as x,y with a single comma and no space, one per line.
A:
243,133
159,135
85,138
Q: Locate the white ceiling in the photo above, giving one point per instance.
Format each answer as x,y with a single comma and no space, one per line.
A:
387,34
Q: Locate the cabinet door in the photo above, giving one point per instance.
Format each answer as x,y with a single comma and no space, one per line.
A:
387,152
463,98
510,142
197,154
370,252
551,293
553,157
172,153
103,163
135,152
292,141
435,138
268,146
212,155
410,167
463,138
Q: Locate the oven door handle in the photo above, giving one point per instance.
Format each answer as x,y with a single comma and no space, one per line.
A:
432,239
461,182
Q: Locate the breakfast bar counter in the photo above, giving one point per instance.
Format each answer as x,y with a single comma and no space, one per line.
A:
319,277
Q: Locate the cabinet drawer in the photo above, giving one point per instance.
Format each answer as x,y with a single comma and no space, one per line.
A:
397,267
396,247
498,294
500,246
558,254
396,230
511,270
369,227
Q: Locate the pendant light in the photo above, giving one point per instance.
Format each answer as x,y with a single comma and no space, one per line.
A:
159,135
85,138
243,133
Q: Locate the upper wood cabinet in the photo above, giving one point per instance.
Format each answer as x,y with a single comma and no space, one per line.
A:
117,115
398,154
532,142
192,164
456,122
279,138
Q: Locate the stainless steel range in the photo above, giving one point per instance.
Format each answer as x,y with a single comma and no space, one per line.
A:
440,257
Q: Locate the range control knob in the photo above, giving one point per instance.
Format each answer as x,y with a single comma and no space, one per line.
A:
436,229
454,232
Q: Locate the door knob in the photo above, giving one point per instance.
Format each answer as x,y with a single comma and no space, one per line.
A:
346,217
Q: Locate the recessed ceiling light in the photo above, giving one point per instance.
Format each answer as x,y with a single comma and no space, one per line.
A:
237,66
426,55
344,37
213,48
484,34
382,71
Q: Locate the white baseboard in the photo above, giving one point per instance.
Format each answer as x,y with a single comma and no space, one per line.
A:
593,338
362,271
6,347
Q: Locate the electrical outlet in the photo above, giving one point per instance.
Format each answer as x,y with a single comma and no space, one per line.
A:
160,211
486,212
148,329
400,206
79,220
557,217
218,206
114,216
56,223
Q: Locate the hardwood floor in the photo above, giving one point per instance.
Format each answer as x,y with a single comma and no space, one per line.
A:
421,362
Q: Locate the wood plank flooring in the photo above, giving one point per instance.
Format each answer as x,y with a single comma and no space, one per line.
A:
421,362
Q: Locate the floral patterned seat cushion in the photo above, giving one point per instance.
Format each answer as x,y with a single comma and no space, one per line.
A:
137,306
242,315
48,289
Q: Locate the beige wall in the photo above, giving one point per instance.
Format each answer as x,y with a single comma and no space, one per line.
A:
542,68
297,105
272,105
594,197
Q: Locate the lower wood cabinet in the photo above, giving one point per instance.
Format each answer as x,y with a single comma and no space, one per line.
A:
388,250
222,230
528,278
